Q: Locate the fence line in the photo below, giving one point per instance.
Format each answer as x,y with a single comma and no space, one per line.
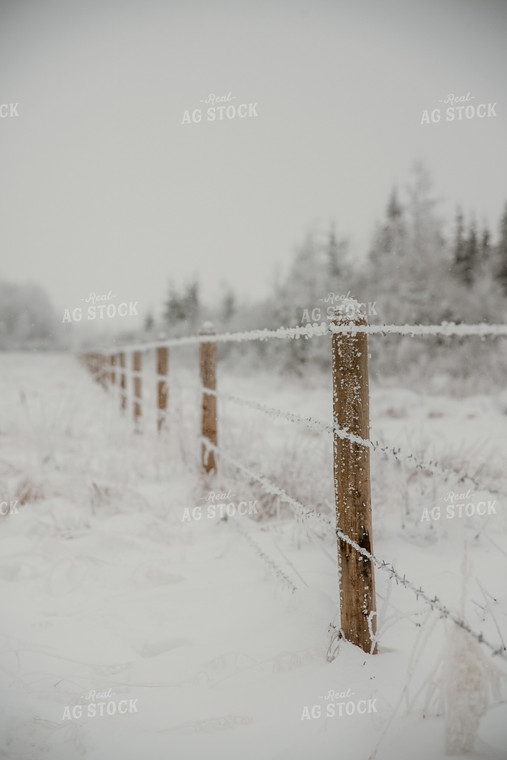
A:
350,432
396,452
311,423
448,329
305,511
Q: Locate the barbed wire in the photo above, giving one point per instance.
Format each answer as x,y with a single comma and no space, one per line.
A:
396,452
434,602
401,456
274,568
448,329
305,512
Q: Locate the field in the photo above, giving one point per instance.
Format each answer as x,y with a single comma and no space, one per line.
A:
218,633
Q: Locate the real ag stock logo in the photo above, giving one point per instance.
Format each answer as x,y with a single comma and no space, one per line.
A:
220,108
349,307
98,310
339,704
217,504
459,108
458,505
96,709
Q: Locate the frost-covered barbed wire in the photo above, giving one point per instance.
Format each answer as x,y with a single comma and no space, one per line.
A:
448,329
312,423
434,602
316,330
269,487
396,452
304,512
274,568
282,333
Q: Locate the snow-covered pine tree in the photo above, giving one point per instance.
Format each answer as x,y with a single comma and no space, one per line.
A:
502,251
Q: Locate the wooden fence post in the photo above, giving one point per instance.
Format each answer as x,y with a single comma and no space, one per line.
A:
162,389
208,366
102,371
123,381
352,478
112,362
95,359
136,367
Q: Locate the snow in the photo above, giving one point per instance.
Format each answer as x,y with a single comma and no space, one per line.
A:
104,586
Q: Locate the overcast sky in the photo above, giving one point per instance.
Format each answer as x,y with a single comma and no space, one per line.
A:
103,188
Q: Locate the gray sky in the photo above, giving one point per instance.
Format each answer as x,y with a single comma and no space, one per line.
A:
103,188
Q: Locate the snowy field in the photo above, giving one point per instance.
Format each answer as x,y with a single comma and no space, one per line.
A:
192,633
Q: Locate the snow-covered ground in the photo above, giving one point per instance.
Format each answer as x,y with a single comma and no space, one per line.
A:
193,635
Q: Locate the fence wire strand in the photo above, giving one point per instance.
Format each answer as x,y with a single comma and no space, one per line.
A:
316,330
274,568
303,511
300,510
397,452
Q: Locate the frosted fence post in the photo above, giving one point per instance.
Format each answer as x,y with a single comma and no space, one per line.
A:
208,366
136,368
162,388
123,381
352,477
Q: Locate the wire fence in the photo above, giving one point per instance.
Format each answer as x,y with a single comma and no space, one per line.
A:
448,329
109,364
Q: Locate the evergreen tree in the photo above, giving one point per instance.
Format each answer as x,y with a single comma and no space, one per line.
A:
467,252
174,310
228,306
408,257
502,252
469,270
183,310
149,322
191,305
484,257
335,251
390,240
459,243
394,230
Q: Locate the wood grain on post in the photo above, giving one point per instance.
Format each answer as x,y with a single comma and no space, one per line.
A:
352,478
208,366
123,381
136,367
162,363
112,361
